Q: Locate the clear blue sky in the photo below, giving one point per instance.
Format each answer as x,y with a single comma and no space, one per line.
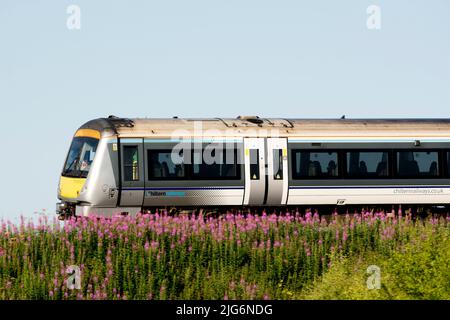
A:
204,58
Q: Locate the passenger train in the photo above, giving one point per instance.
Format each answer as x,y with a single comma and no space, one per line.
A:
125,166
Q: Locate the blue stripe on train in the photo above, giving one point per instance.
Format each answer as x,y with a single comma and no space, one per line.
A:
369,187
183,188
291,187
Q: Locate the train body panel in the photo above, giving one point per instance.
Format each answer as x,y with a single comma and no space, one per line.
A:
120,165
69,188
101,188
348,195
85,211
194,196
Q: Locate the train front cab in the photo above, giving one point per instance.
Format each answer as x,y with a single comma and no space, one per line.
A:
76,169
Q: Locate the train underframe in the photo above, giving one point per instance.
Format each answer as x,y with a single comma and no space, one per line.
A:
66,210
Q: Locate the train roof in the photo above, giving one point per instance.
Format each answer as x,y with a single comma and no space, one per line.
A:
255,126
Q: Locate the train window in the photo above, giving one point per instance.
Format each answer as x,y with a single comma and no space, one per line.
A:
417,164
161,165
315,164
80,157
448,163
278,164
367,164
254,164
130,163
215,163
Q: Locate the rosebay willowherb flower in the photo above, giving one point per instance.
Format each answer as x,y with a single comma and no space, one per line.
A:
162,256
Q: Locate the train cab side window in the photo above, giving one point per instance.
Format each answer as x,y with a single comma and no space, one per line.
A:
161,165
254,164
315,164
368,164
130,163
417,164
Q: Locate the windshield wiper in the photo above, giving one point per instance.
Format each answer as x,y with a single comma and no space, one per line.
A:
68,169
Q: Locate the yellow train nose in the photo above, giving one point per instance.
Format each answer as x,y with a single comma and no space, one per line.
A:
70,187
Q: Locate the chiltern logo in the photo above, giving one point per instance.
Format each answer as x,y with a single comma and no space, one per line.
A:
156,193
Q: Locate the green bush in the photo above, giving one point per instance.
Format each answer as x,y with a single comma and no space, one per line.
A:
418,269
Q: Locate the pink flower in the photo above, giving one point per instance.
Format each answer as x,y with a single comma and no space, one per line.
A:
154,244
344,236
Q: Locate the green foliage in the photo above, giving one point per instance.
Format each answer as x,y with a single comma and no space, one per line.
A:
418,269
233,256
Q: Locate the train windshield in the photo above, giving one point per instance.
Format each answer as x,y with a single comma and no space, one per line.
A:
81,154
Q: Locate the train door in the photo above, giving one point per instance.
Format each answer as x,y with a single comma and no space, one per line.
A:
132,172
277,171
255,171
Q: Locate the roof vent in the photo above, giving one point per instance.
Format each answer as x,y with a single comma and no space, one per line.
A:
251,119
120,122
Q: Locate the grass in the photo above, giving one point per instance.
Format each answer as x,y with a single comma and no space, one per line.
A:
233,256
